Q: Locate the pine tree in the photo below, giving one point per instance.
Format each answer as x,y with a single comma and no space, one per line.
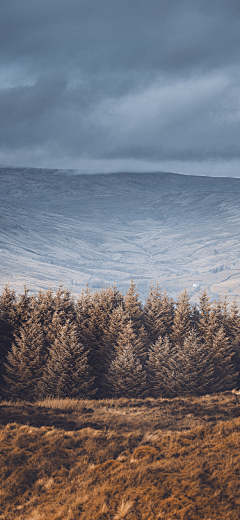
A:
23,309
126,377
25,362
194,371
8,304
232,323
7,328
134,313
232,328
52,310
158,314
133,307
208,323
44,310
219,314
225,373
160,366
182,319
64,304
212,328
128,338
205,308
67,373
117,323
195,317
94,317
128,356
119,335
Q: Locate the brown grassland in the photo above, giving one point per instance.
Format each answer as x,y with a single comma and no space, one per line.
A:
131,459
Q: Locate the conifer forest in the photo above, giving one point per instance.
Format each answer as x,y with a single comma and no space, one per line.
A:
109,345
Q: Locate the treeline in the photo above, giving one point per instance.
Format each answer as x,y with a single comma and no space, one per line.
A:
107,344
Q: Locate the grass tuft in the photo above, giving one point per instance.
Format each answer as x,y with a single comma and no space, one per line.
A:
124,508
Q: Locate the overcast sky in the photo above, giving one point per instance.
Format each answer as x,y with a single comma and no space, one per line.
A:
114,85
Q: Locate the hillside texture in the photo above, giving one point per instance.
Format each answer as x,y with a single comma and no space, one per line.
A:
182,231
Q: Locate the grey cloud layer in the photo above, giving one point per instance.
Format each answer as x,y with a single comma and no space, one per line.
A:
113,79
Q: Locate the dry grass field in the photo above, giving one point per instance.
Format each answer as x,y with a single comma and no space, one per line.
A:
129,459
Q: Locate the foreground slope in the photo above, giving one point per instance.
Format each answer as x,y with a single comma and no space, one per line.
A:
99,229
183,470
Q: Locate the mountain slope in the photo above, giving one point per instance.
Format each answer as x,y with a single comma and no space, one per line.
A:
100,229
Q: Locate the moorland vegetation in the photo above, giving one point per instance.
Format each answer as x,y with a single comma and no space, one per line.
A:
113,459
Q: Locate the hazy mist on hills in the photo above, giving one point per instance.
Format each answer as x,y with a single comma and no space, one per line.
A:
99,229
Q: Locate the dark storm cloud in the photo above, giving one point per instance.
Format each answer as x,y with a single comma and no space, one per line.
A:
120,79
121,34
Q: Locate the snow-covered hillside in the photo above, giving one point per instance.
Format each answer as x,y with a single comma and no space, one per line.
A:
100,229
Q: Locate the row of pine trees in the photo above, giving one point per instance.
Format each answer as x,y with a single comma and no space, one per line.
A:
106,344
